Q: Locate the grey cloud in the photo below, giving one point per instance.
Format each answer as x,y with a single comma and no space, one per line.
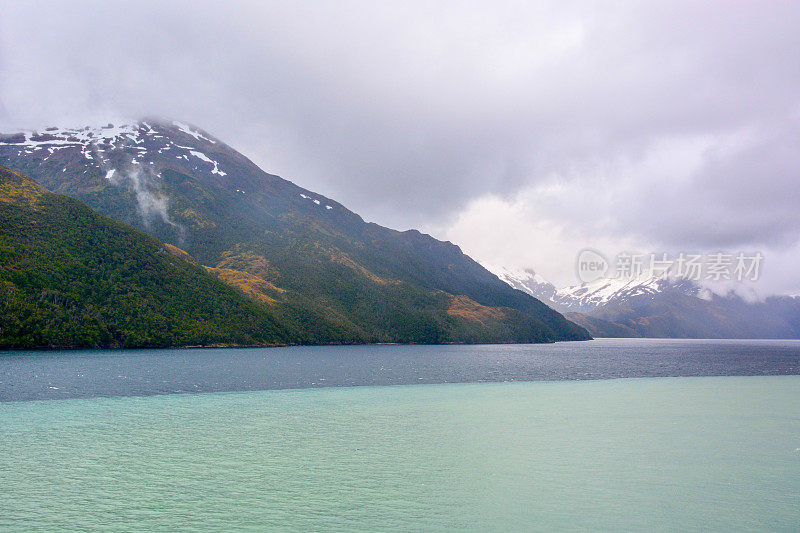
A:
406,112
747,196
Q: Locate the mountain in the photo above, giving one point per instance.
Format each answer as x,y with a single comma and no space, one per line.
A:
603,328
525,280
70,277
588,297
356,281
661,306
673,313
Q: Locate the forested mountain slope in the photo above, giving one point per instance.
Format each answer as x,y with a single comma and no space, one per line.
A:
371,283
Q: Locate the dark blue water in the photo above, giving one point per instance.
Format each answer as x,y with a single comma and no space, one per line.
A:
90,373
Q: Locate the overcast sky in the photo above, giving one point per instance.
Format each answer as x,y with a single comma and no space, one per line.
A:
523,132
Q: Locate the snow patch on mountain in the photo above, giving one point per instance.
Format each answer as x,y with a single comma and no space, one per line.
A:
314,200
185,128
204,157
54,138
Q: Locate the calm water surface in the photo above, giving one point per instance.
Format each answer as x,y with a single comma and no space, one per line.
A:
583,453
89,373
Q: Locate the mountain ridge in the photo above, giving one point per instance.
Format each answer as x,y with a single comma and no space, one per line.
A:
191,190
661,306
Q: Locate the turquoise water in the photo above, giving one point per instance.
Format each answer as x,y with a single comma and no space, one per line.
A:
720,453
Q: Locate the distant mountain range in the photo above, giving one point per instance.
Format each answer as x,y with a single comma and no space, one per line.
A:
309,270
661,306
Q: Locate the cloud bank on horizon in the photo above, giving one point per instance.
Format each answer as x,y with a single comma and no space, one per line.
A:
522,131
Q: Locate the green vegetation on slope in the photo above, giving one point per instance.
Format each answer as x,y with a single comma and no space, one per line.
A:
70,277
320,268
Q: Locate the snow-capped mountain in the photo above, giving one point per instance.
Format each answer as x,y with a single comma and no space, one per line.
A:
525,280
143,148
660,306
603,292
99,143
340,275
587,297
106,165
